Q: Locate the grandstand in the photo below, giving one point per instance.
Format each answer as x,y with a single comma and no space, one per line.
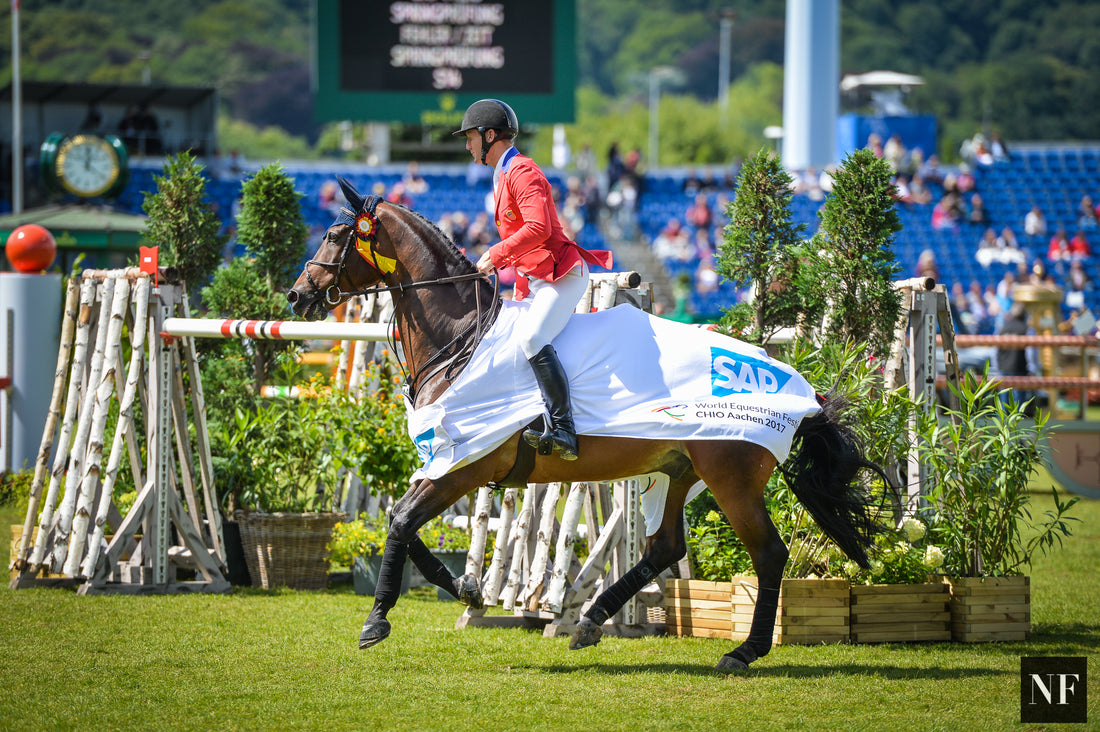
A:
1055,177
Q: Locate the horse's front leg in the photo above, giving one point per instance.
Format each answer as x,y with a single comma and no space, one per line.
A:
424,500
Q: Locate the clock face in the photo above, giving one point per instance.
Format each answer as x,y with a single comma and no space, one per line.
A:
87,165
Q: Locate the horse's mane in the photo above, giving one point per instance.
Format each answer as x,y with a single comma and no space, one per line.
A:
453,254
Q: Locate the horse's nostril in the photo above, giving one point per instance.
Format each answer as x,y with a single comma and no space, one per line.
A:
292,297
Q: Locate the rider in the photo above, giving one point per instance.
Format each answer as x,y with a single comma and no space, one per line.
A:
552,268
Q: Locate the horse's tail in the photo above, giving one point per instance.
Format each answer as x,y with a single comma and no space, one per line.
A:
823,471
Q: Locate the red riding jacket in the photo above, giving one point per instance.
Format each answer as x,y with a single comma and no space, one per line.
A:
531,236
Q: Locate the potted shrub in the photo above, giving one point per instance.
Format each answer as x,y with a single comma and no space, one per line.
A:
982,458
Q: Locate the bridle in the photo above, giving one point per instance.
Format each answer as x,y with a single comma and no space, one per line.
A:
463,346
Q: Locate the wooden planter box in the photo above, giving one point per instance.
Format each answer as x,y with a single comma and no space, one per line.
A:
987,609
810,610
900,613
699,608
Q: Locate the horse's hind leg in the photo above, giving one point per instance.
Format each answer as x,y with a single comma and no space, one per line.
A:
466,589
662,549
737,474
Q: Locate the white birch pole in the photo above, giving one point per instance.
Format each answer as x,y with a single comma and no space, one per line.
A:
80,441
41,465
125,425
345,346
475,559
93,458
563,555
72,405
547,517
515,571
500,548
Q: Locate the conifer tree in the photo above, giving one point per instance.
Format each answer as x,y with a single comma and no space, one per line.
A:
761,248
182,223
852,257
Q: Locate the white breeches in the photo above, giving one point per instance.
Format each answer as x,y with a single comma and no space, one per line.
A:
551,305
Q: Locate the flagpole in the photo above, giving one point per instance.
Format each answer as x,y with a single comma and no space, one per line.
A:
16,115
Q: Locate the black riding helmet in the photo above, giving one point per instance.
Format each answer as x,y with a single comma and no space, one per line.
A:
489,114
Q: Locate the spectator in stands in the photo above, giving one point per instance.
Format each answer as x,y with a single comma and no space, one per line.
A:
901,189
330,198
1040,276
632,166
1058,250
586,162
614,165
894,152
926,265
1086,214
1013,361
698,213
997,147
460,225
982,155
622,200
1005,290
1035,224
978,215
1079,247
672,243
989,250
692,184
947,212
702,244
975,302
965,181
398,195
930,171
1078,283
874,142
1011,253
706,279
414,182
960,309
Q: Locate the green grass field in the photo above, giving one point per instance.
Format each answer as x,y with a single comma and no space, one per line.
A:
288,660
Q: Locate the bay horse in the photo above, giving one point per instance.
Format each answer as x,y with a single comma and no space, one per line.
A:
442,307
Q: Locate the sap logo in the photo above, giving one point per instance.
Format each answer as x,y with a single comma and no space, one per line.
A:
736,373
423,444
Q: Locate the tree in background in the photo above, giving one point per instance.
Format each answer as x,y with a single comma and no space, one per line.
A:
761,247
851,257
273,231
181,221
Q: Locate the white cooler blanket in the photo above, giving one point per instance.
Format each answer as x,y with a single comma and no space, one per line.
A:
631,374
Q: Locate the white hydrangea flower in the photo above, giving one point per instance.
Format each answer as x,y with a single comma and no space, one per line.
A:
914,529
933,557
851,569
876,567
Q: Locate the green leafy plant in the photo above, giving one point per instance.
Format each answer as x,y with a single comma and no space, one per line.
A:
438,535
363,537
289,454
981,459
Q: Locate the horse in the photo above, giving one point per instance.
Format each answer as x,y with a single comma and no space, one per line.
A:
443,307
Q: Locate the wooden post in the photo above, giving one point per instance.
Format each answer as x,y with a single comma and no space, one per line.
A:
563,554
475,560
536,580
41,465
103,390
78,450
495,575
523,521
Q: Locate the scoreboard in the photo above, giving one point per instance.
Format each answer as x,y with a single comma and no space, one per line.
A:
425,61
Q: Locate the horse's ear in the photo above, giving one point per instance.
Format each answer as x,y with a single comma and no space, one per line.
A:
354,198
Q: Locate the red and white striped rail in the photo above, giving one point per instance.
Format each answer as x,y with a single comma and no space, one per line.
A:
284,330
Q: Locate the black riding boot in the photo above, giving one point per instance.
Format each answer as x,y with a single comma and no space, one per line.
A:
560,436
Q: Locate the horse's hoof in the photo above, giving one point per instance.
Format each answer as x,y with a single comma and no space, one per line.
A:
730,662
373,633
469,591
587,634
